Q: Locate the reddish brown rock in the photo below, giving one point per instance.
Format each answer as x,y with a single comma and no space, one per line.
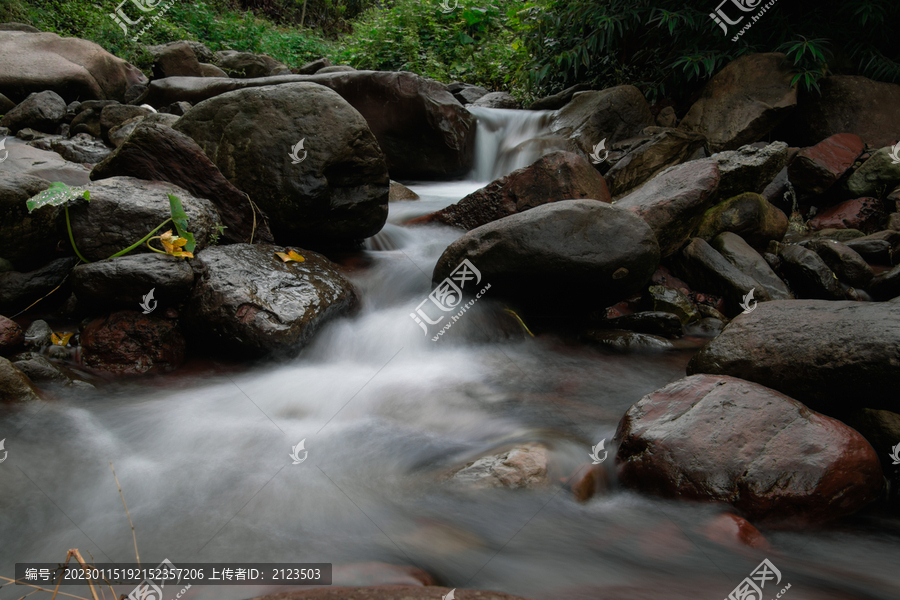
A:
815,169
731,530
130,343
722,439
674,202
11,335
556,176
589,481
864,214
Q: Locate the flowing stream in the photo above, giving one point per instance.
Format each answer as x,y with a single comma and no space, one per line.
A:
203,455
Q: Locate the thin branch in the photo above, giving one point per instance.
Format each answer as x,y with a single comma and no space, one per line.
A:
127,514
43,589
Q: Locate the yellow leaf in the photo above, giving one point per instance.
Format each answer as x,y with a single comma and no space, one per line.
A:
291,256
172,245
61,339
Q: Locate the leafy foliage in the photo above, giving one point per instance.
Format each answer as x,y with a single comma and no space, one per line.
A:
56,195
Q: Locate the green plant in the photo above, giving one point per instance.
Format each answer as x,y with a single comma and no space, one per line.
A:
60,194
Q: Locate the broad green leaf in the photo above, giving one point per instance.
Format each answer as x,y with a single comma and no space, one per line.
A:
56,195
180,218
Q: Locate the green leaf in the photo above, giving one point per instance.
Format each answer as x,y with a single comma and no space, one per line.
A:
56,195
180,218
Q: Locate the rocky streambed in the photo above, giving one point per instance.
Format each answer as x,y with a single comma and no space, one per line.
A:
686,359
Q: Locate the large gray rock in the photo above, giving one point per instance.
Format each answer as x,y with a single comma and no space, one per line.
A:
337,194
125,280
424,131
246,65
613,114
829,355
75,69
248,301
749,215
558,100
497,100
749,169
743,102
176,58
156,152
849,266
674,202
122,210
662,148
115,115
748,261
559,257
42,111
700,265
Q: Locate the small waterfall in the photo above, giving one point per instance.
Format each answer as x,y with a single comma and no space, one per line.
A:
507,140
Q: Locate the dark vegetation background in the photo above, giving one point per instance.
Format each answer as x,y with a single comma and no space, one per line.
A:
530,49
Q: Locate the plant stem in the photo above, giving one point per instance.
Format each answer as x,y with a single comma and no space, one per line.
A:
72,237
141,241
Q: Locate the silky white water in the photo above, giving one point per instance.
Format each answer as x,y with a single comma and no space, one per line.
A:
203,458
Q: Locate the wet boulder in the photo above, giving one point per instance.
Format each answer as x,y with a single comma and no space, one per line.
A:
673,301
721,439
743,102
749,262
887,285
303,154
553,177
626,342
559,257
128,342
816,168
674,202
862,214
248,301
704,268
849,266
125,281
465,93
20,289
662,148
15,387
42,111
877,174
750,216
828,355
156,152
177,58
115,115
808,275
26,239
11,336
247,65
847,104
424,132
524,466
122,210
497,100
75,69
614,114
749,168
